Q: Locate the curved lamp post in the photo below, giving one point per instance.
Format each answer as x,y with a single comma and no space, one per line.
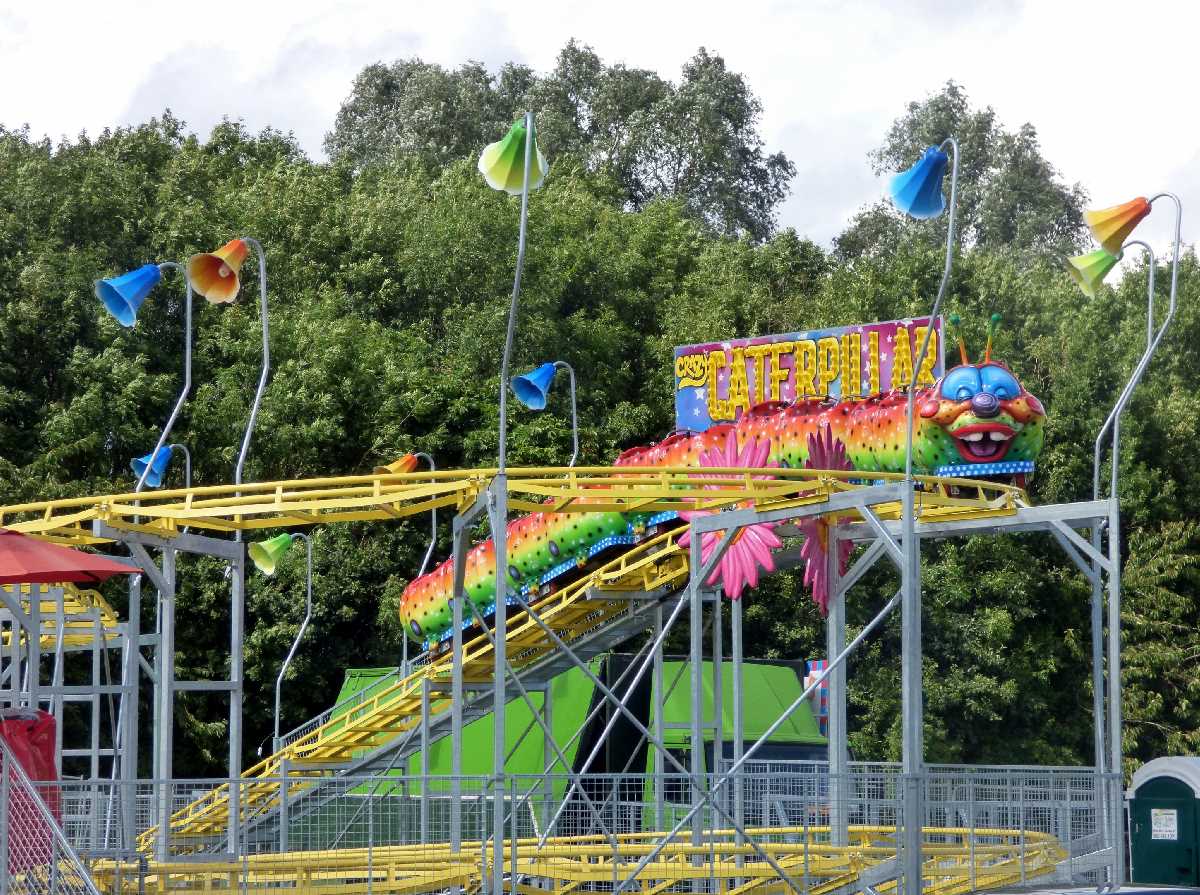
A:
215,275
123,296
918,193
266,556
506,164
1111,227
533,388
408,463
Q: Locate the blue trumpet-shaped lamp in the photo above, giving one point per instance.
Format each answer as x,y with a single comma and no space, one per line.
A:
153,466
123,295
533,387
918,191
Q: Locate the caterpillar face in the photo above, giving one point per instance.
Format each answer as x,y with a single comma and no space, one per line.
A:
986,414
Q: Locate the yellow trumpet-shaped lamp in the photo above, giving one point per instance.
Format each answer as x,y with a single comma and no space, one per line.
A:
502,163
1088,270
215,274
267,554
1111,226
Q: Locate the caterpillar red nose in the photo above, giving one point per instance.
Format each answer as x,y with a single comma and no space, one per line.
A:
984,405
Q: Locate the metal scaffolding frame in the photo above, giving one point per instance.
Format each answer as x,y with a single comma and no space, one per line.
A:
868,514
79,633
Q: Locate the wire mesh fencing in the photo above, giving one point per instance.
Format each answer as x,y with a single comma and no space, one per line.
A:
794,823
35,855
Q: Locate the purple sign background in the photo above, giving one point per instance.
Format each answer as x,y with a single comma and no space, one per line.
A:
839,362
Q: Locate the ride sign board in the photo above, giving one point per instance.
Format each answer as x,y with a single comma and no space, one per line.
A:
719,381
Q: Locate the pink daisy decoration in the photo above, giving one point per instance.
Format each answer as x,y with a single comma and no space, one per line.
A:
752,546
824,452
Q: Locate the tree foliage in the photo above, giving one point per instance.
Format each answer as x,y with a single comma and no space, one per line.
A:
389,288
696,140
1009,195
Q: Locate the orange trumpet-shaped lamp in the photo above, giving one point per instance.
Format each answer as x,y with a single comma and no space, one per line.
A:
1088,270
1112,226
215,274
407,463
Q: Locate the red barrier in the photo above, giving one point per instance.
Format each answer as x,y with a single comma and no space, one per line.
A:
29,735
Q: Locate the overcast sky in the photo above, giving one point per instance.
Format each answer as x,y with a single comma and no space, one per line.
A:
1110,87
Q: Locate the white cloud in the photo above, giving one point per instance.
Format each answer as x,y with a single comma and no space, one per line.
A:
1104,85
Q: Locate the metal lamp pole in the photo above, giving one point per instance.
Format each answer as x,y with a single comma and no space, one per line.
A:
266,361
498,511
238,596
299,634
911,662
563,365
1115,721
187,373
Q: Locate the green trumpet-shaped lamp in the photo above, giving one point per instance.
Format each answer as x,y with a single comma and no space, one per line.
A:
502,163
267,554
1089,269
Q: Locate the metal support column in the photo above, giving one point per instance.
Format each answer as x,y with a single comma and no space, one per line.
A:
237,623
739,734
835,642
549,750
718,683
1116,761
164,699
696,666
657,726
33,642
460,529
498,515
912,709
130,680
426,795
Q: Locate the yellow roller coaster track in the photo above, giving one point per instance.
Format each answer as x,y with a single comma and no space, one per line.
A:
579,608
303,502
84,612
956,861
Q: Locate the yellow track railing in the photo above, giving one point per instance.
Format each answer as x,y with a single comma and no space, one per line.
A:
304,502
956,860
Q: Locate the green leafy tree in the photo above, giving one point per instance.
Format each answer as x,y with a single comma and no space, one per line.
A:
1009,196
389,284
697,140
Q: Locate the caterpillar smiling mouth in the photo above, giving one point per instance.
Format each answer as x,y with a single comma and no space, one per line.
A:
983,442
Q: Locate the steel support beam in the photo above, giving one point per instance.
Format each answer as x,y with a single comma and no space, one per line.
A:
835,642
911,700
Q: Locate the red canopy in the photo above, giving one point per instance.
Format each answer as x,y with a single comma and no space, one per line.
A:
26,560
